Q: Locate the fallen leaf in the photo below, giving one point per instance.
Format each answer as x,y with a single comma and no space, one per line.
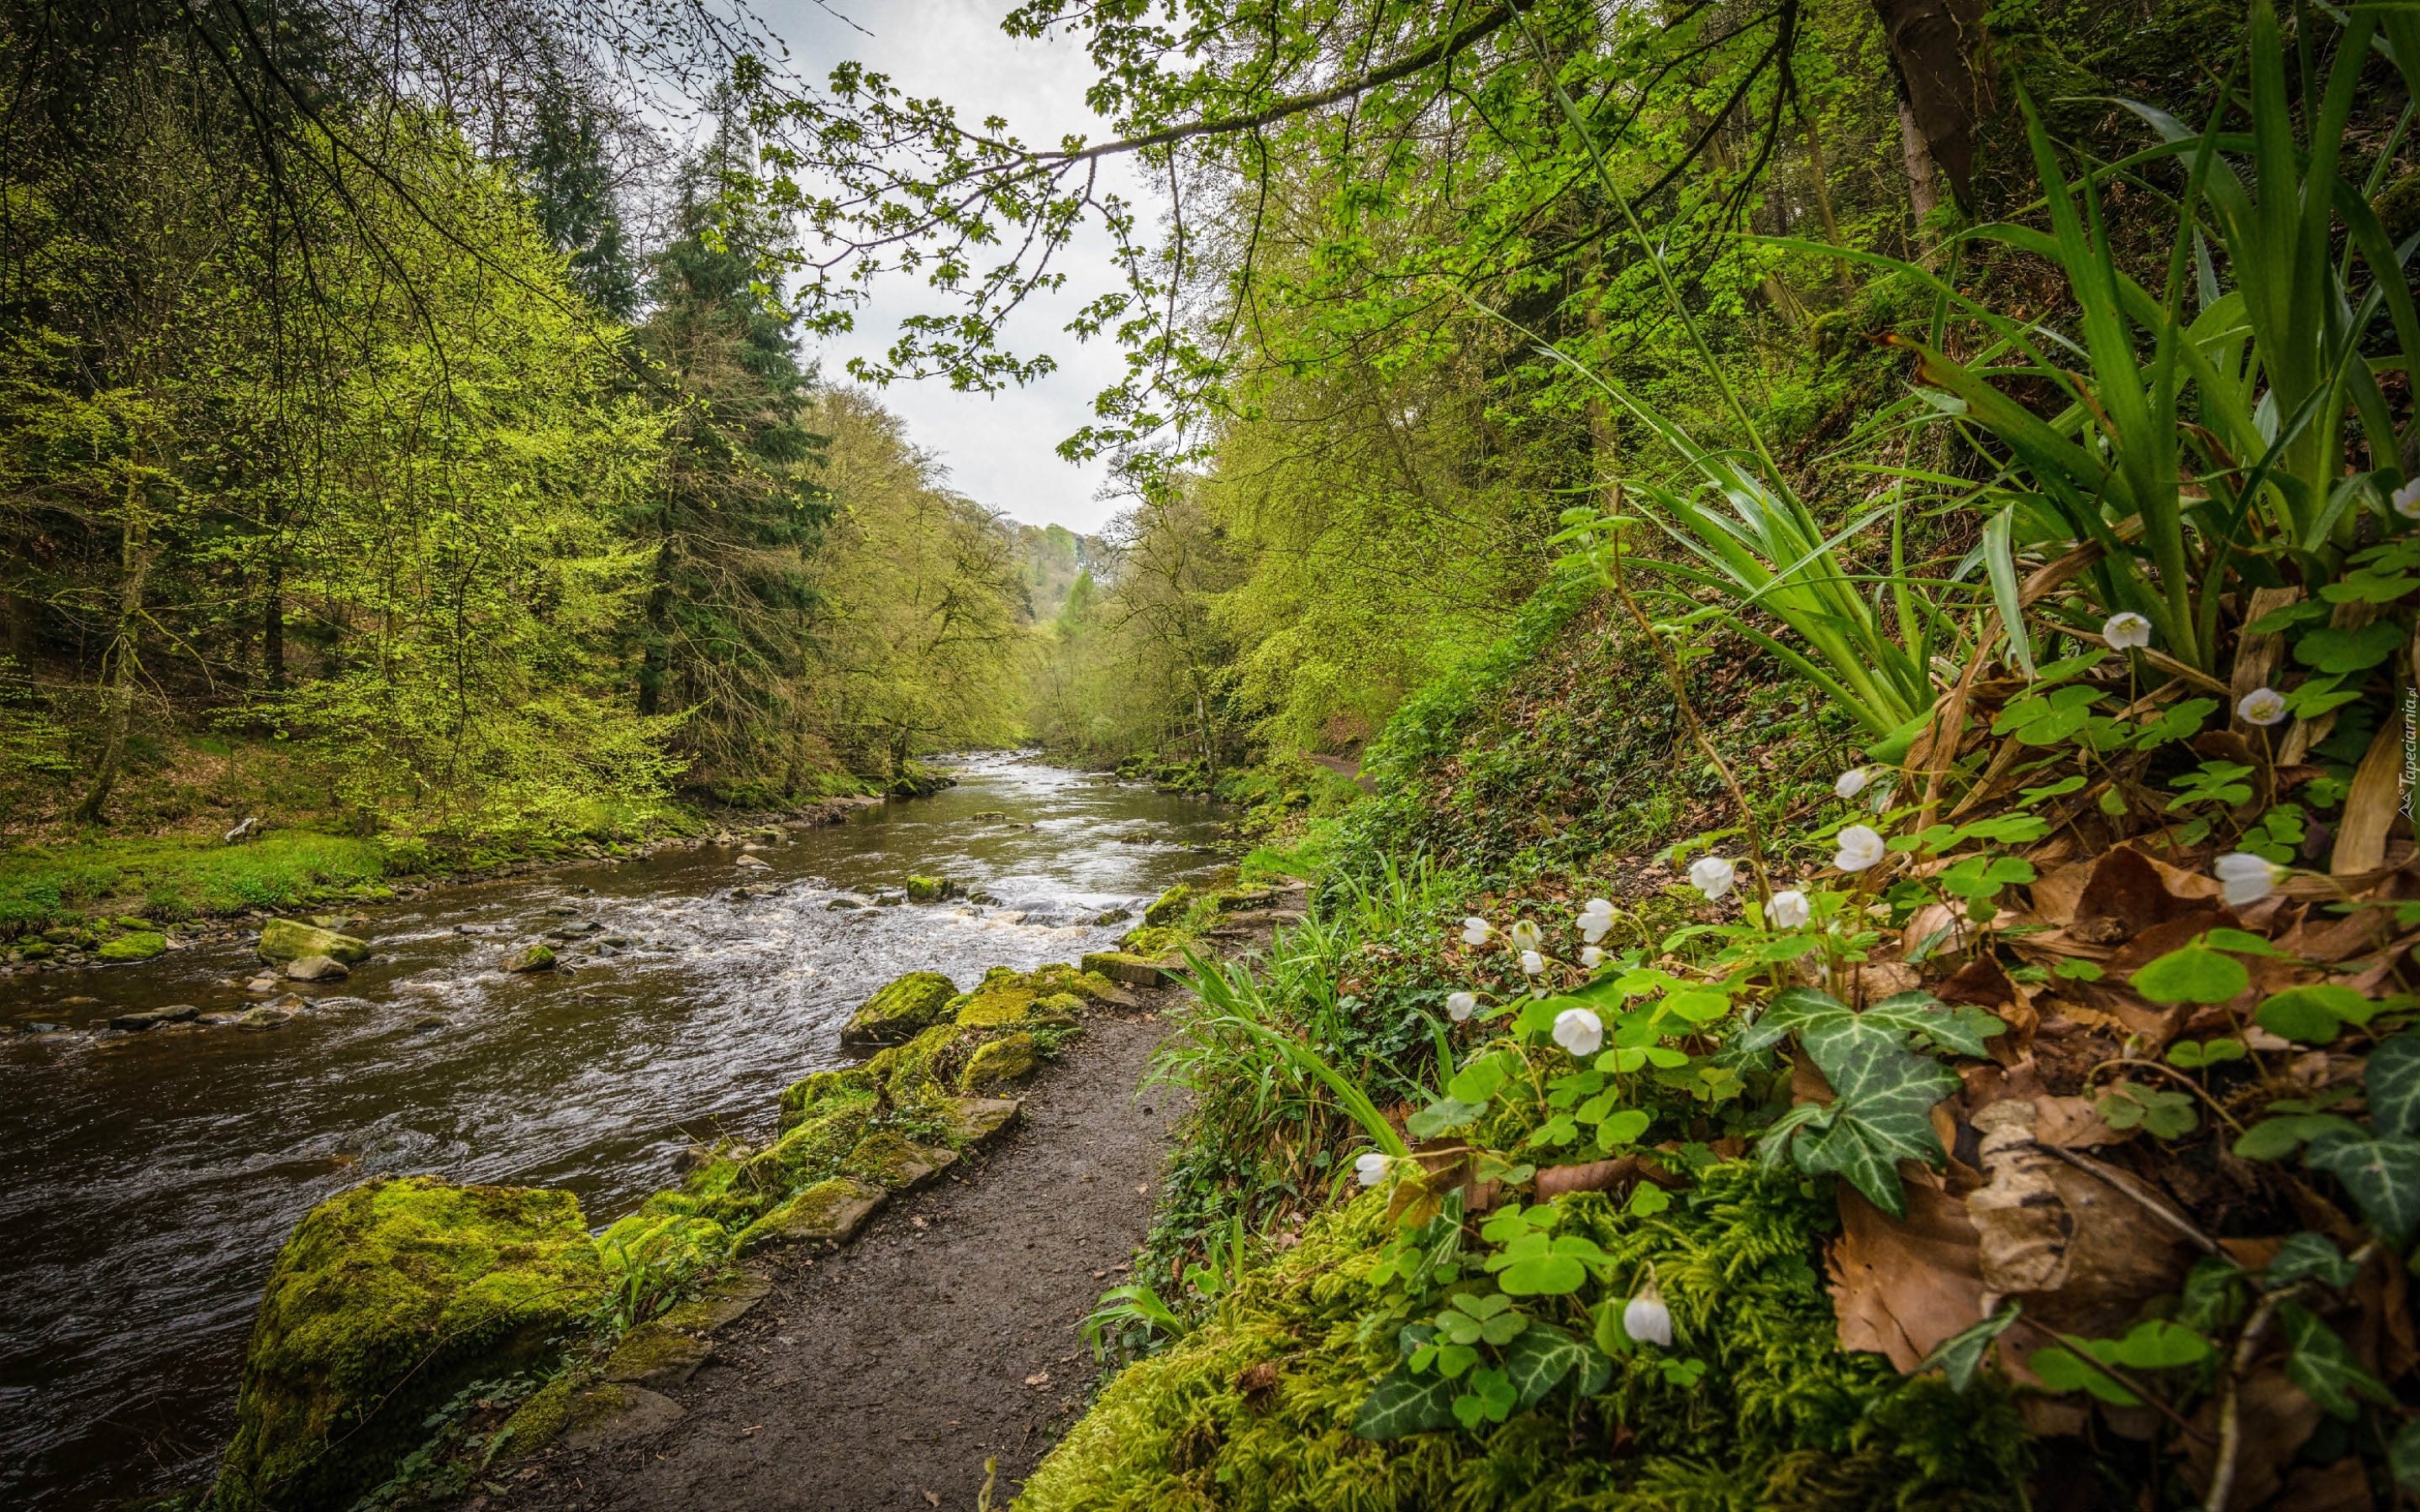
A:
1900,1289
2129,892
1039,1377
917,1223
933,1498
2274,1417
2370,805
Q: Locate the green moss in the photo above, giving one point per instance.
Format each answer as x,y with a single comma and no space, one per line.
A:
388,1299
1169,906
139,946
538,1420
900,1011
997,1063
801,1096
285,939
828,1210
892,1161
811,1150
907,1072
647,1238
1781,1418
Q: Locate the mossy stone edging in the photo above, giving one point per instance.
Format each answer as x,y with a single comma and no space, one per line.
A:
387,1300
900,1010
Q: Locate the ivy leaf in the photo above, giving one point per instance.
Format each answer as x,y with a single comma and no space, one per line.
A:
2403,1455
2324,1367
2194,973
2383,1174
2306,1255
2062,1370
1960,1355
2392,1082
1542,1357
1404,1403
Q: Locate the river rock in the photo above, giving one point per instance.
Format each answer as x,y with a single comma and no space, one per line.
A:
316,968
655,1354
137,947
388,1300
530,958
902,1009
287,939
151,1018
262,983
997,1063
1134,970
930,889
266,1016
833,1209
846,902
891,1160
751,863
1115,916
975,1119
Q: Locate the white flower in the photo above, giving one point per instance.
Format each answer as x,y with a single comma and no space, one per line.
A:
1474,931
1532,963
1579,1031
2248,878
1852,783
1592,957
1646,1319
1712,875
1527,936
2406,500
2126,631
1595,919
2263,705
1789,909
1861,846
1460,1006
1370,1169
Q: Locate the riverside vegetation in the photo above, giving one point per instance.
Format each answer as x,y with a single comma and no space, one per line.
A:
1873,966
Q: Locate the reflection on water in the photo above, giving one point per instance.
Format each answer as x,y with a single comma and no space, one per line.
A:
147,1181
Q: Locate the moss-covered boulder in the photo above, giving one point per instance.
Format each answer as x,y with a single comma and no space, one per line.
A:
811,1150
900,1012
287,939
389,1299
1169,906
907,1075
930,889
1133,970
142,946
830,1210
1002,1061
1003,996
802,1096
895,1162
529,958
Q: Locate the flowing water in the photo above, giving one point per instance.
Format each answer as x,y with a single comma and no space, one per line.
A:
148,1179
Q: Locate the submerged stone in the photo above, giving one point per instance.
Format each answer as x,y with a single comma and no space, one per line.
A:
530,958
316,968
389,1299
151,1018
287,939
929,889
999,1063
900,1010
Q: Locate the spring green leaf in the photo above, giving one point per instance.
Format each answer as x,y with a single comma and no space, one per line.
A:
2314,1014
1406,1403
2062,1370
2194,973
1960,1355
2330,650
2156,1344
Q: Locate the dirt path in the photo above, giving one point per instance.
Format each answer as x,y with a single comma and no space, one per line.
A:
883,1374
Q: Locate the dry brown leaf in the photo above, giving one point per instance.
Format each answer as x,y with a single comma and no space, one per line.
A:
2343,1487
2372,805
2130,892
1899,1289
2073,1123
2056,891
2275,1418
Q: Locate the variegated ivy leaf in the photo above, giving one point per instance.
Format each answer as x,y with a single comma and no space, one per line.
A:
2393,1084
1960,1355
1405,1403
2324,1367
1871,1134
2383,1174
1540,1359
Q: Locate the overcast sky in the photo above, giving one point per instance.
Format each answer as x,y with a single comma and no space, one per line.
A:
1000,448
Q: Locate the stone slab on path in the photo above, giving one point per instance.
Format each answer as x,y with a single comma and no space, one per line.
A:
875,1374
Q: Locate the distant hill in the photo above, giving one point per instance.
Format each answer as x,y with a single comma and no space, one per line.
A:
1051,558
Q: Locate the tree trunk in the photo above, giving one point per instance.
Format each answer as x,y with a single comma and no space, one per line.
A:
122,660
1824,202
1937,48
1923,192
273,628
656,664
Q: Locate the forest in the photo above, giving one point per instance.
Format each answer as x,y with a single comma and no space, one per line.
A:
1817,596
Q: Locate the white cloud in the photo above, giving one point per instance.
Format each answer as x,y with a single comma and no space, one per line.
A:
1000,448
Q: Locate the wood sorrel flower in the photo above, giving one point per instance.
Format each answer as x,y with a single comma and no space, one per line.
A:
1789,909
1646,1319
2406,500
1591,956
2126,631
1474,931
1595,919
1370,1169
1460,1006
2247,878
1579,1031
2262,706
1532,963
1852,783
1712,875
1527,936
1861,846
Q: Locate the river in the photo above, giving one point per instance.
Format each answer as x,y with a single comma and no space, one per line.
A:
148,1179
